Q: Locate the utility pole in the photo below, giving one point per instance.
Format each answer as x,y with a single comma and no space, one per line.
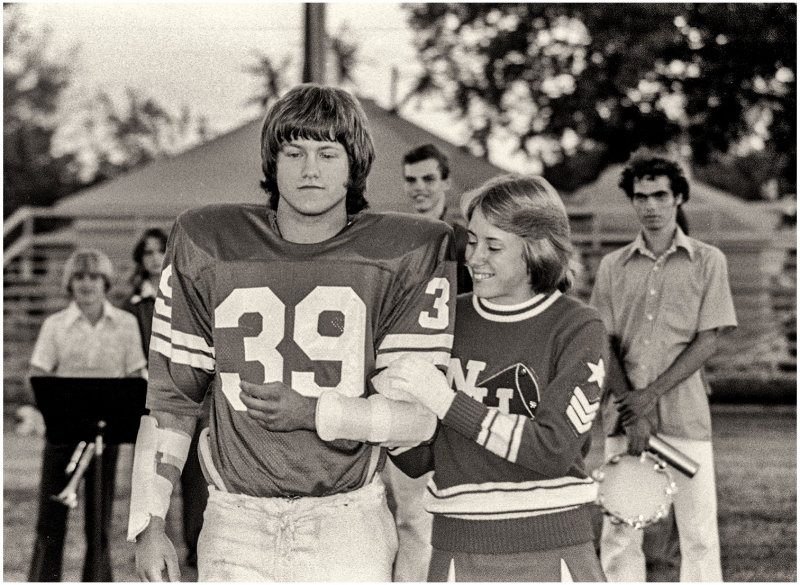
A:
314,58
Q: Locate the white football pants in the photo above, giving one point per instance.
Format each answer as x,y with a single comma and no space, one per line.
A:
344,537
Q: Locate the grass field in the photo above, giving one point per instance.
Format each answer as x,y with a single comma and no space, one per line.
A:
756,463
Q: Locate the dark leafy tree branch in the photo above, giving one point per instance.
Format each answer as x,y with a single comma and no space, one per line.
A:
33,82
582,82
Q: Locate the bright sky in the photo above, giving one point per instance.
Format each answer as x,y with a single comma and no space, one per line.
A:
194,53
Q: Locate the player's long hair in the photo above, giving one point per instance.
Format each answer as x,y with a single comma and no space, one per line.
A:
529,207
315,112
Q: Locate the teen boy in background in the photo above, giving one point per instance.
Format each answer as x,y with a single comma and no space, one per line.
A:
665,300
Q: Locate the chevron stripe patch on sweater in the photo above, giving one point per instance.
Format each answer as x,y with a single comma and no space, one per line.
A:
581,412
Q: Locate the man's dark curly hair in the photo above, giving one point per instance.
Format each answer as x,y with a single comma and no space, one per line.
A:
316,112
649,163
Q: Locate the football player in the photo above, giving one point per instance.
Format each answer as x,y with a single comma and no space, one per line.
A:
510,498
282,312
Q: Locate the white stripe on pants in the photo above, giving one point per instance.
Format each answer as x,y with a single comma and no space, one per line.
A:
695,505
344,537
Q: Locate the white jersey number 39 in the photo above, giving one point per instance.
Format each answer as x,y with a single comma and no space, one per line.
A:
347,348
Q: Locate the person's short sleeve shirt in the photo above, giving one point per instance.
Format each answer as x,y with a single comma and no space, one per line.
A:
69,346
655,307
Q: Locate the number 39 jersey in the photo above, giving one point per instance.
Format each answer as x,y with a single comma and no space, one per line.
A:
238,302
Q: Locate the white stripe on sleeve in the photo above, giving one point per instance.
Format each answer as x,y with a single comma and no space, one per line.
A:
416,340
180,356
437,358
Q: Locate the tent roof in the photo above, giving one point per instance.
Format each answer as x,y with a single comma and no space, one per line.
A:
228,168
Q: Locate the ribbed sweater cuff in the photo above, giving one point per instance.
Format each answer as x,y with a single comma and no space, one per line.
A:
465,416
543,532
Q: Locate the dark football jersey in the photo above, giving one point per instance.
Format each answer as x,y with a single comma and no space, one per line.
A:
238,302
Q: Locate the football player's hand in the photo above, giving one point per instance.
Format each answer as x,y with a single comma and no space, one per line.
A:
156,554
638,433
420,379
636,404
277,407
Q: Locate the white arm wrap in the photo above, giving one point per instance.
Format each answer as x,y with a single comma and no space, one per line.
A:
417,380
150,491
391,423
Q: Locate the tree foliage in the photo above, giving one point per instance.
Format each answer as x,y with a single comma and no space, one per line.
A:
343,55
119,137
272,75
34,80
572,83
53,146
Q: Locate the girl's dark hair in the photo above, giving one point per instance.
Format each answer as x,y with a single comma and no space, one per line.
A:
140,274
315,112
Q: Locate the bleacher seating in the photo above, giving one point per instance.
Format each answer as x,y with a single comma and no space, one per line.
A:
763,281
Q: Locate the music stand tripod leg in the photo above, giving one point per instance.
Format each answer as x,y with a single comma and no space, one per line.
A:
97,535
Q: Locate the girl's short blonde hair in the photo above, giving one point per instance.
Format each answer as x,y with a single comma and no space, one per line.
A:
529,207
87,260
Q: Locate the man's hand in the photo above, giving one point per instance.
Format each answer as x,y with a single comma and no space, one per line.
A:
638,433
277,407
155,553
636,404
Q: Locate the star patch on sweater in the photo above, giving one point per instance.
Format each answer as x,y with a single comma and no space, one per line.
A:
598,372
581,412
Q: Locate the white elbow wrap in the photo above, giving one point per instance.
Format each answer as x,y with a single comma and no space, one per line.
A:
391,423
150,491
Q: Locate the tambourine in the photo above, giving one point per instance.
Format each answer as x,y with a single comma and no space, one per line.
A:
636,491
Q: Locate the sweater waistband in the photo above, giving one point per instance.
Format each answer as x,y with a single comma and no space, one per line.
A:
542,532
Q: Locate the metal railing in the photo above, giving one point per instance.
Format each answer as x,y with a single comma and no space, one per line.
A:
27,227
